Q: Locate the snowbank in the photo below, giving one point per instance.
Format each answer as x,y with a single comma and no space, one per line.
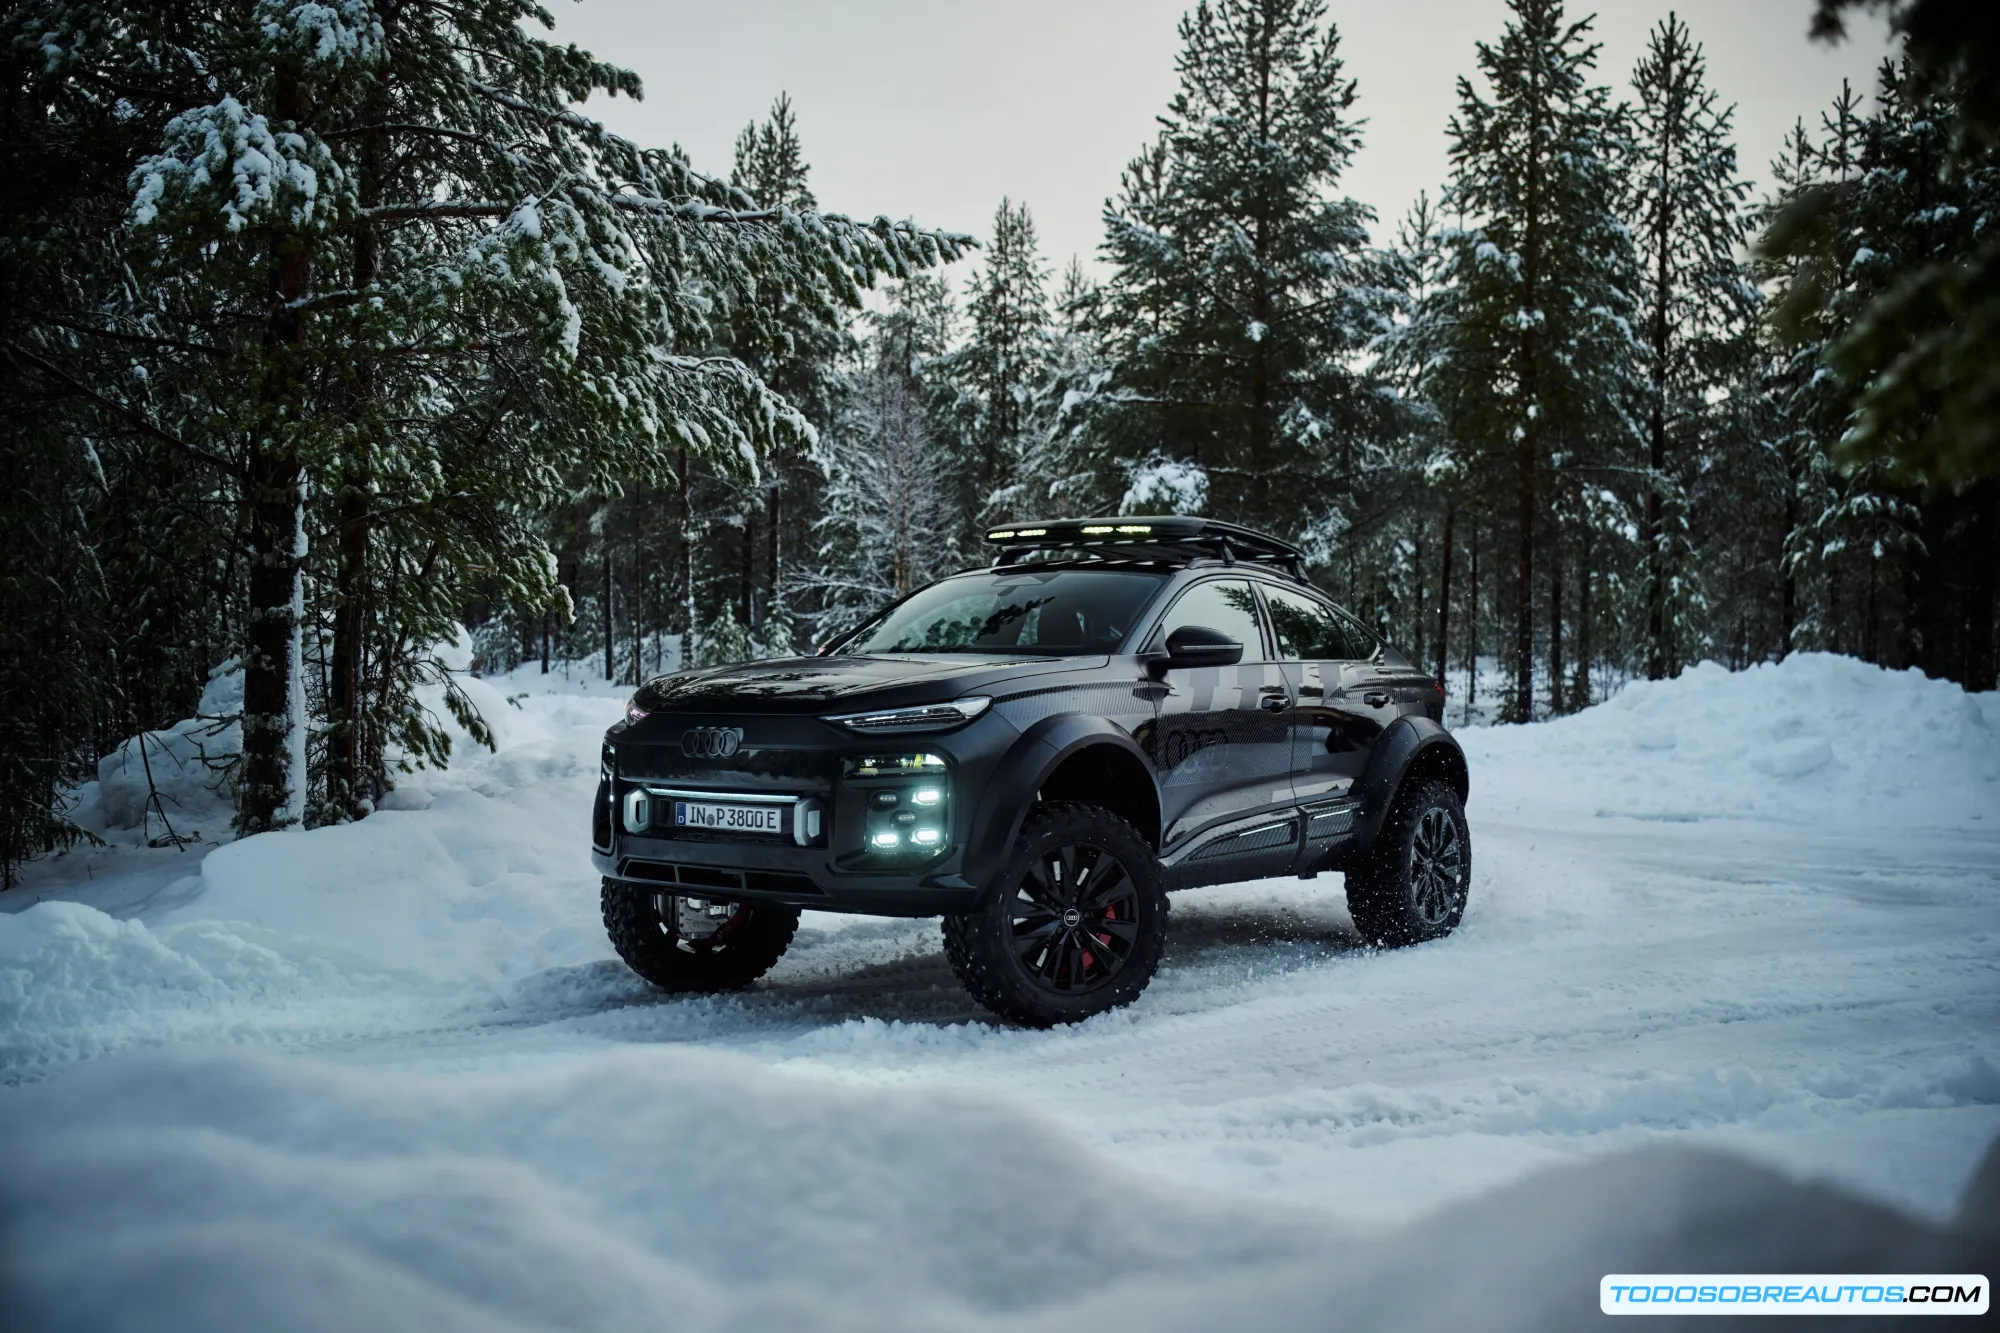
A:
523,1137
474,876
646,1187
1814,738
187,765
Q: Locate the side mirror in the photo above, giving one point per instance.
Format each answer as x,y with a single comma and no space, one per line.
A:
1197,646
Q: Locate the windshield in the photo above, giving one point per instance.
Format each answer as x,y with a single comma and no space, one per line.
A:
1058,612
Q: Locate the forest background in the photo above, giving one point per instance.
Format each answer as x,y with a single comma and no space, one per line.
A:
328,326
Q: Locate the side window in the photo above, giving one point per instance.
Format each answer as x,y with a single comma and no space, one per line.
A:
1228,605
1361,641
1311,629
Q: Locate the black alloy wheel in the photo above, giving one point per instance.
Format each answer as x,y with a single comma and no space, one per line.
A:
1075,917
1437,862
1073,928
1413,883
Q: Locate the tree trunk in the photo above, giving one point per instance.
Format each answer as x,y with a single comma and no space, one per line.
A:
1871,641
1472,625
610,624
1522,708
775,554
1261,308
1657,650
1555,617
1788,583
687,561
749,571
1417,583
273,483
1983,541
273,494
1579,695
635,606
1526,450
352,781
1444,594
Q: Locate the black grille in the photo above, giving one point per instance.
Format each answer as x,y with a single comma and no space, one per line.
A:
788,771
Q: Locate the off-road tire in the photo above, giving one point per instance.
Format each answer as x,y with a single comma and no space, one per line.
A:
744,950
1392,900
984,950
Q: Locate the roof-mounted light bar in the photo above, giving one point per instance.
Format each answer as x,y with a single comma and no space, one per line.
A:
1158,537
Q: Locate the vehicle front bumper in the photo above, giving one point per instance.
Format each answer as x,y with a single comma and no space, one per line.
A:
793,876
804,758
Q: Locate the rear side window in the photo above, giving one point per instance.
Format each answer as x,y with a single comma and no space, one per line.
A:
1311,629
1228,605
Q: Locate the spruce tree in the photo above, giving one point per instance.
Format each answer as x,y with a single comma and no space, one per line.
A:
1246,292
446,302
888,483
1438,470
801,362
1540,355
1002,366
1697,307
1063,473
1925,359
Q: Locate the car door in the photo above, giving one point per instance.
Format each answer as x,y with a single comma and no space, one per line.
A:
1223,743
1344,699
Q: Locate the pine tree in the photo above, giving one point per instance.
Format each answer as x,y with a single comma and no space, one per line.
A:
1063,474
1002,366
1246,292
1540,358
888,483
1439,472
1698,309
1931,406
1900,214
800,360
442,302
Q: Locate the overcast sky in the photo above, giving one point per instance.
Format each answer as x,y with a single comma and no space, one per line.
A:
935,109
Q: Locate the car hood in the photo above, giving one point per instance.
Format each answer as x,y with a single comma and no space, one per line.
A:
814,684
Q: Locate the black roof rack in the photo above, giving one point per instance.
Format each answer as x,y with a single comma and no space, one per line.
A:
1169,537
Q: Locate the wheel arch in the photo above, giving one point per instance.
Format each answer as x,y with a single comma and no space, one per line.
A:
1409,749
1072,758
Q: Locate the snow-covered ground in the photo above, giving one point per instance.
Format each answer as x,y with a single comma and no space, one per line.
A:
388,1075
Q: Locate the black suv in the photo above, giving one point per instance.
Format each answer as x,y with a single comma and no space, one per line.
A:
1037,751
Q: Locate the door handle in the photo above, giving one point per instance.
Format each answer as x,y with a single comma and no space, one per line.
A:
1274,703
1376,698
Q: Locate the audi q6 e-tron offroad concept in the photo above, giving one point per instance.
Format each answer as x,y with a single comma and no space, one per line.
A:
1038,752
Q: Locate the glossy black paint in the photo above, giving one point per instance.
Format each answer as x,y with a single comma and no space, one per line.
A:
1271,765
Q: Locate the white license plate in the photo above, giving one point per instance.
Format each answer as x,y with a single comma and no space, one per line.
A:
729,818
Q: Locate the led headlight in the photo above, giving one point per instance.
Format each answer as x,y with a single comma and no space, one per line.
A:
925,717
905,803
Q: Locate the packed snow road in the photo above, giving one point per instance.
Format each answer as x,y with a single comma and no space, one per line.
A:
1754,912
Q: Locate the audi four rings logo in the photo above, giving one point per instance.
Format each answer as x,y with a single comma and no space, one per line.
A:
711,742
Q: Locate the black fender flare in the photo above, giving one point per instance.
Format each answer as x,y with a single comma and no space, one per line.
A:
1022,772
1406,743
